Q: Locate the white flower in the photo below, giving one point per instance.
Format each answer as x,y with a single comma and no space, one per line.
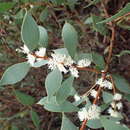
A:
57,60
84,63
82,114
117,97
93,93
62,68
24,49
74,71
113,113
41,52
119,105
31,59
113,104
76,97
68,61
92,113
104,83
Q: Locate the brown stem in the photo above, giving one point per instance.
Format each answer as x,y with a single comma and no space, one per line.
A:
83,124
89,69
111,41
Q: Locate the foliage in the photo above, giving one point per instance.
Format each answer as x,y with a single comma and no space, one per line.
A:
39,37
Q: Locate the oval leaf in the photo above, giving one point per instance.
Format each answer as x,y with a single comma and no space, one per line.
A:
35,118
94,124
15,73
67,124
112,125
4,6
64,91
122,12
43,41
70,38
24,98
51,105
30,32
53,82
121,84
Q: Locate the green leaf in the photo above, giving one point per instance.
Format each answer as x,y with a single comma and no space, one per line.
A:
35,118
15,73
70,38
121,83
40,63
43,37
94,124
111,125
24,98
93,2
89,20
98,60
61,51
127,97
44,14
72,3
52,105
67,124
64,91
104,106
107,97
81,56
30,32
123,53
13,127
122,12
5,6
53,82
101,28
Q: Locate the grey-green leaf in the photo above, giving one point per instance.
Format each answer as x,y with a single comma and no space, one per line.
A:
121,84
5,6
30,32
67,124
122,12
107,97
53,82
43,41
94,124
24,98
101,28
15,73
98,60
94,2
44,14
35,118
70,38
64,91
52,105
111,125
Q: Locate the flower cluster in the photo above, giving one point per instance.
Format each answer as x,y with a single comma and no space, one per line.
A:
31,58
116,105
93,112
104,83
61,61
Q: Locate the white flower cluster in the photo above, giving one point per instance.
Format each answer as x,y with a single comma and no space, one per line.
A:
31,58
84,63
61,61
77,97
92,113
93,93
65,64
104,83
115,105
